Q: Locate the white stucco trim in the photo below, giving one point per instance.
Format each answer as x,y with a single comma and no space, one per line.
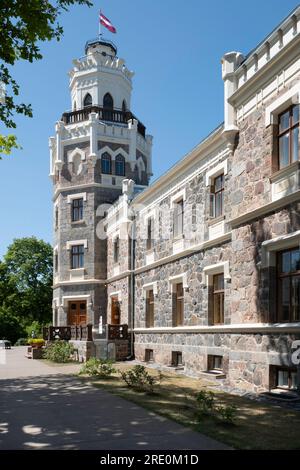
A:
113,153
71,243
150,286
217,170
178,196
71,197
117,293
217,268
151,213
173,280
68,298
291,96
76,151
270,247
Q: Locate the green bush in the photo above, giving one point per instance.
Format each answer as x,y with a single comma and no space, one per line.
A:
36,342
227,413
139,379
35,327
206,405
205,402
21,342
59,351
98,368
10,326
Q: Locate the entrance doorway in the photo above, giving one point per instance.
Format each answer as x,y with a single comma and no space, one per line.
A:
115,311
77,312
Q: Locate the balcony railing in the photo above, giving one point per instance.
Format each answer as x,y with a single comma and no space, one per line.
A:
84,333
109,115
67,333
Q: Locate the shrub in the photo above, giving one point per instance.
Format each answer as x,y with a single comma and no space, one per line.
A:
205,401
35,327
59,351
227,413
98,368
36,342
21,342
139,379
206,405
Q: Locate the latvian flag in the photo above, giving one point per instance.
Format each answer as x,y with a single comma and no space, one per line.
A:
105,21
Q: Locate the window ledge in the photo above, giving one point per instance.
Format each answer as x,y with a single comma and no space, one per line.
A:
77,222
286,171
215,220
178,237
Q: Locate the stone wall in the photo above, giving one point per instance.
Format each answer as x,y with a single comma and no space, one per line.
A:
246,357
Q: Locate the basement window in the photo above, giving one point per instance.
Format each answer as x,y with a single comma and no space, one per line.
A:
177,359
149,355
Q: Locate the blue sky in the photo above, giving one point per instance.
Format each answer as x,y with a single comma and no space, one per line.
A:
175,50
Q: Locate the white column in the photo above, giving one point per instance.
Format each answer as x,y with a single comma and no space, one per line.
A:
52,155
132,127
59,128
230,63
93,137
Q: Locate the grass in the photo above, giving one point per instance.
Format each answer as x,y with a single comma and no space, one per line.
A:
258,425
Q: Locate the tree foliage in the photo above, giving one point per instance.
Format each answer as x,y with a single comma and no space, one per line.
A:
26,282
24,24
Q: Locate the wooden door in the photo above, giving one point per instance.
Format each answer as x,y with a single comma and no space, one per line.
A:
115,311
77,312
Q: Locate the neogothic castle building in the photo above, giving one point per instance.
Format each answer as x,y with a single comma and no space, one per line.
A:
200,270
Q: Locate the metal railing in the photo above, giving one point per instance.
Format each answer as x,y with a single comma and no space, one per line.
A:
110,115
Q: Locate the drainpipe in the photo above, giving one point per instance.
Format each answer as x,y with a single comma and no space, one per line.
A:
132,298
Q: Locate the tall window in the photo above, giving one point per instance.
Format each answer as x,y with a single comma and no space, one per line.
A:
124,106
288,137
77,256
217,197
108,102
150,233
120,165
56,217
87,100
56,261
178,218
106,164
288,288
178,304
77,209
218,299
149,308
116,249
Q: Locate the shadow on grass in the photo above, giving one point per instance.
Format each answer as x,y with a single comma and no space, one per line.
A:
257,426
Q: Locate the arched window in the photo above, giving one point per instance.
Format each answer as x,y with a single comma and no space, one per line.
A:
124,106
106,164
120,165
108,102
87,100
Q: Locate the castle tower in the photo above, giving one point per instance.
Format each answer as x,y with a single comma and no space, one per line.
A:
97,145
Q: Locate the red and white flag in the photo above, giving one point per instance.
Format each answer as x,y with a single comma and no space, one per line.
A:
105,21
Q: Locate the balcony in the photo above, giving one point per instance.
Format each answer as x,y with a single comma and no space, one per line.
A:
109,115
84,333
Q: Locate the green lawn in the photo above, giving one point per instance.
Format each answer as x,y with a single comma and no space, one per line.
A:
258,426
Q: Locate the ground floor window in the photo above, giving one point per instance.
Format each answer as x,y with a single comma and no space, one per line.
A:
149,355
215,363
177,358
287,378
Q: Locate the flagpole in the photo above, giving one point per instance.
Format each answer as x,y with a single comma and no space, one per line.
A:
99,28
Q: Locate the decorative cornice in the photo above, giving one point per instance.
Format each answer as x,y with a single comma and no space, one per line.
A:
264,328
264,210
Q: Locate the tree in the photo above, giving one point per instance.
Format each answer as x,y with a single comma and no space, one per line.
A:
23,24
27,272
